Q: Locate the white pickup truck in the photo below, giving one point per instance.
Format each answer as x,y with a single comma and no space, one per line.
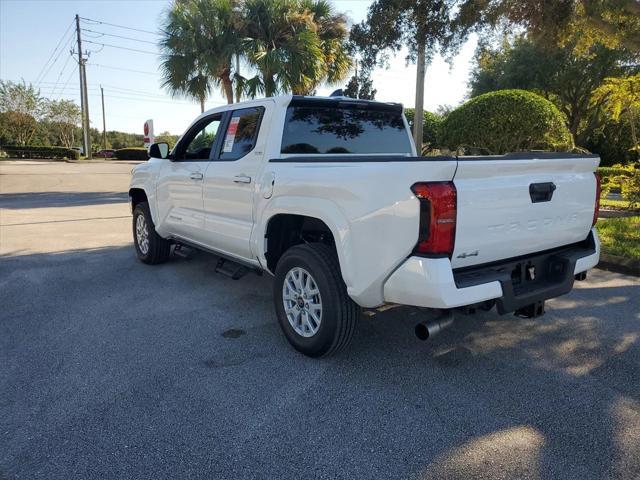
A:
329,197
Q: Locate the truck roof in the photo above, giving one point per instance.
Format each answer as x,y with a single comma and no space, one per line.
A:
285,100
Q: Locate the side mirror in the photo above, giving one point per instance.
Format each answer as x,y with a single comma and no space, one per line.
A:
159,150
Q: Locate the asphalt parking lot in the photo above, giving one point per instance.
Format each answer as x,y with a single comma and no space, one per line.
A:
113,369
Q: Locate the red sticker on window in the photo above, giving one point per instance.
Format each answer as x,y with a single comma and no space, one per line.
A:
229,139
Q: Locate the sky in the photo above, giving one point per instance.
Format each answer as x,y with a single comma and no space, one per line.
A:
30,31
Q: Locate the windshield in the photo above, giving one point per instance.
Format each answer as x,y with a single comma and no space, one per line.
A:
344,129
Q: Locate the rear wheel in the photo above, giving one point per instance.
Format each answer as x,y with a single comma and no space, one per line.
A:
313,308
151,248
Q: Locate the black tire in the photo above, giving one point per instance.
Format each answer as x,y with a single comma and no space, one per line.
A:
158,248
339,313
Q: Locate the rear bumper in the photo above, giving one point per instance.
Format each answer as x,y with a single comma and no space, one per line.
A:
432,283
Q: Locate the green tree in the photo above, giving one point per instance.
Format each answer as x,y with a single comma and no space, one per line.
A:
361,85
199,41
63,117
168,138
22,107
620,98
614,23
613,141
282,44
422,26
560,74
332,31
430,127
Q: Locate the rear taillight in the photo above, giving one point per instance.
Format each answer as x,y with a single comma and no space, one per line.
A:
596,209
438,211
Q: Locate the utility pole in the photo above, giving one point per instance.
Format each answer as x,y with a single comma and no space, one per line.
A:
104,123
84,99
418,117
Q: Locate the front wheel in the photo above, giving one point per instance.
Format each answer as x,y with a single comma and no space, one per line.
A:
313,308
151,248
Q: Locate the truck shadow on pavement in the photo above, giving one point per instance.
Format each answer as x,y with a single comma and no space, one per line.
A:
104,358
19,201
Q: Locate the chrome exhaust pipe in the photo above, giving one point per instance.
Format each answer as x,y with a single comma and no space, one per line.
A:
427,330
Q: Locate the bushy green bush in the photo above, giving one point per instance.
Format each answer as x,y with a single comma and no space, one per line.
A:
132,153
506,121
16,151
430,126
613,179
613,141
631,189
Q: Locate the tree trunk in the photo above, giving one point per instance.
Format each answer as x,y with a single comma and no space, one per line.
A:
418,118
201,103
238,91
227,85
632,122
269,85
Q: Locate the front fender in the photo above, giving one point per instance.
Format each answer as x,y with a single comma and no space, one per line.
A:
144,177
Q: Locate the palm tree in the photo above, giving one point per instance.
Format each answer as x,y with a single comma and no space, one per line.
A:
332,30
199,40
282,44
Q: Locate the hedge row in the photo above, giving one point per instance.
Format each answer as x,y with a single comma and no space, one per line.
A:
614,172
132,153
15,151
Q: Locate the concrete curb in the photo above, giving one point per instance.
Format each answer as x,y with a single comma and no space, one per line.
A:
615,263
617,213
125,162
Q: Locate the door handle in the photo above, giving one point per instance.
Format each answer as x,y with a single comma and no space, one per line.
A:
242,179
196,176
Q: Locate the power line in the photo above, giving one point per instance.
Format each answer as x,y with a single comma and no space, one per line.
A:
121,47
118,36
66,44
143,92
148,100
121,68
118,26
61,72
54,51
63,88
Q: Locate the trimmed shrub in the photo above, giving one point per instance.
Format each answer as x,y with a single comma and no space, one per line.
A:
16,151
506,121
132,153
430,126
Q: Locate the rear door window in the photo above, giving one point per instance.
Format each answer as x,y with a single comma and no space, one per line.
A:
325,129
241,133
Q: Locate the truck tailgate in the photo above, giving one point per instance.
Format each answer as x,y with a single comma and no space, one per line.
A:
516,205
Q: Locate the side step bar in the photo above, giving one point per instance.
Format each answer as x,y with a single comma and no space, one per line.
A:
230,269
225,265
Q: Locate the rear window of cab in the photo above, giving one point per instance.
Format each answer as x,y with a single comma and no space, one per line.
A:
327,129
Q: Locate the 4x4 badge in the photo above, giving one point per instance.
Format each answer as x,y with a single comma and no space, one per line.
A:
470,254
